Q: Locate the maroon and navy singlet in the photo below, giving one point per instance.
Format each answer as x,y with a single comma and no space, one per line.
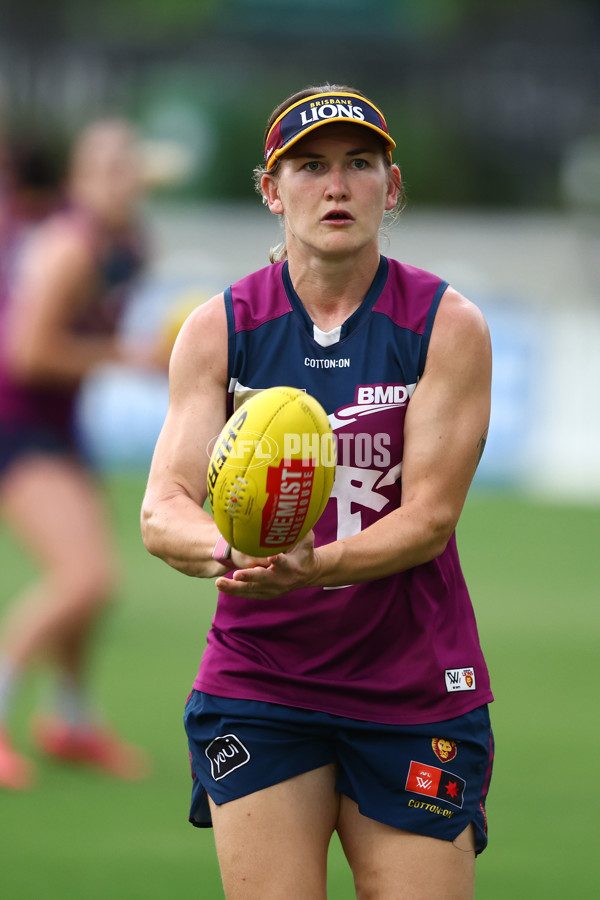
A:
403,649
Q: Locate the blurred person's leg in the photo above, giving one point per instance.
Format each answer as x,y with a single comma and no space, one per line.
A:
53,505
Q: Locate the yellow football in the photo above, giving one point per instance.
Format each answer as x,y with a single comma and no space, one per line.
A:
271,471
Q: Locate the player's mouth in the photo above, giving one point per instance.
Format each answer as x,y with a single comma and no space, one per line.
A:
338,217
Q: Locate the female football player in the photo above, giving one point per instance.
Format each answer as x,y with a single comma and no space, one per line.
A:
343,687
60,311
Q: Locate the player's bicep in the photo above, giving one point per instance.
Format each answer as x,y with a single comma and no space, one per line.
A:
448,416
197,405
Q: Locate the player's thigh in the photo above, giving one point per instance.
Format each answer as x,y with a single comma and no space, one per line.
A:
273,843
390,864
55,507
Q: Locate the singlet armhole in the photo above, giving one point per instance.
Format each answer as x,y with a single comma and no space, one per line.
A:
429,325
230,332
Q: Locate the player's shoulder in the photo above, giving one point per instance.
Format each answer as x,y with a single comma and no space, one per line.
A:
202,340
65,234
58,251
407,294
206,322
458,313
459,330
409,279
271,274
259,297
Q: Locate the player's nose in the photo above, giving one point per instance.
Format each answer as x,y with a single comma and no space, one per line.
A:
337,186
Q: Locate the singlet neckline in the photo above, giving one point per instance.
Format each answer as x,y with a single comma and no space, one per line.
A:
353,321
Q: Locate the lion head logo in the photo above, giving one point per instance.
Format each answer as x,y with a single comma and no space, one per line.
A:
444,749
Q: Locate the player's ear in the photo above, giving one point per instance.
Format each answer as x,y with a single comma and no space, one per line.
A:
394,185
270,188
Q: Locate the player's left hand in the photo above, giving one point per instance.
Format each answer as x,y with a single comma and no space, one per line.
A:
265,579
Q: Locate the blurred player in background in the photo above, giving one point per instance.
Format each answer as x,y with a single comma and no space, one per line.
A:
63,294
31,174
343,687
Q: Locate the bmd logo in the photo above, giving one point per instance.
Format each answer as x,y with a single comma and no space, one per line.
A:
382,394
370,399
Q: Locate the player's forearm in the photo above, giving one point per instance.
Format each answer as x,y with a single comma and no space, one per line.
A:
399,541
182,534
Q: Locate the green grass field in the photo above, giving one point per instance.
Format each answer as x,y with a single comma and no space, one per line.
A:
533,571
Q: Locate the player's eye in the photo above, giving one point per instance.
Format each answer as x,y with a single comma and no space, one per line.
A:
313,165
359,163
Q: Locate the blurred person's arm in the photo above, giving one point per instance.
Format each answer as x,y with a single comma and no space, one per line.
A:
56,279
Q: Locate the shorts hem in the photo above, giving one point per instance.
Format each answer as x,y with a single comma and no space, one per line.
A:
414,828
202,805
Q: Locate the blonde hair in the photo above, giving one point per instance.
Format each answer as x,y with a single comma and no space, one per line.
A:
278,253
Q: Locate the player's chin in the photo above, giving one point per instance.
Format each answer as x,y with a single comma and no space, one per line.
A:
341,235
341,245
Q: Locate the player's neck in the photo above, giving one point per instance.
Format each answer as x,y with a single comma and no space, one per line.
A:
332,290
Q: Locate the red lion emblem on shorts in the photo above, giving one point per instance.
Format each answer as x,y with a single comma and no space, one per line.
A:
444,749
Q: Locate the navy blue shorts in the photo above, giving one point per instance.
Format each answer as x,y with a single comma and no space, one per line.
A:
430,779
18,441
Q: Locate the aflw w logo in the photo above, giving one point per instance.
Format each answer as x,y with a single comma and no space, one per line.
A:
460,679
424,783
